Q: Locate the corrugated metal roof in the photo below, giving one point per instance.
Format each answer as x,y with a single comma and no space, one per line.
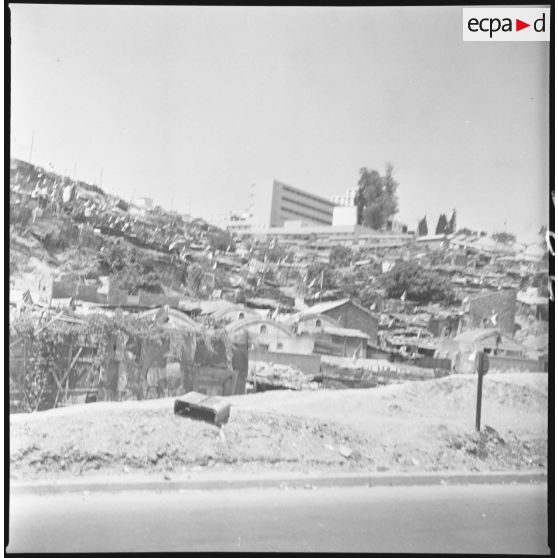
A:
531,298
475,335
345,332
325,306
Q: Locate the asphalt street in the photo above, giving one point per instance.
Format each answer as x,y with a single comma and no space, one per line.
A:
506,519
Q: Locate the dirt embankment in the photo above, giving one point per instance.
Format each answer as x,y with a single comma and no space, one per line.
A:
419,426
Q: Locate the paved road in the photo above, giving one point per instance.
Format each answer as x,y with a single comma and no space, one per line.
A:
506,519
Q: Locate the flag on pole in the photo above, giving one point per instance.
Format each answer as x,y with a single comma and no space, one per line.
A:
275,313
404,296
373,306
494,318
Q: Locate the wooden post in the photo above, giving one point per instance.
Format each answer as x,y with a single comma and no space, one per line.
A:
482,368
479,401
234,382
68,372
25,358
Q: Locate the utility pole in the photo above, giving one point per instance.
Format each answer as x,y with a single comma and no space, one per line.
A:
31,149
482,364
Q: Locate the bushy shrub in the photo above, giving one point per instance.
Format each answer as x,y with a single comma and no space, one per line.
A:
421,285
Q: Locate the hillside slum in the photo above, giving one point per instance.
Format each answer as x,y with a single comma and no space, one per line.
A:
111,300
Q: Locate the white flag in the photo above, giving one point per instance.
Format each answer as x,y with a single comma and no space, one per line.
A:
275,313
357,353
494,318
404,296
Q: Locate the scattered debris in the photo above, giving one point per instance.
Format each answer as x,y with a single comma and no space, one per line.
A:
345,451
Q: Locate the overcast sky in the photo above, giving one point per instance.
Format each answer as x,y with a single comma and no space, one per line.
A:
190,105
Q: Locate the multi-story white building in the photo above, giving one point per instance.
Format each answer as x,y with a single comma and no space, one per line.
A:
273,203
345,200
143,203
237,222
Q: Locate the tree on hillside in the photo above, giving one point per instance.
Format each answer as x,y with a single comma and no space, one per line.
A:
466,231
221,240
315,278
542,236
273,253
546,243
420,284
504,237
442,226
452,225
340,256
195,278
138,276
423,227
376,197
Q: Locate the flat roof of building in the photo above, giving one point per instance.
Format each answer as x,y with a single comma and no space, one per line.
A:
357,230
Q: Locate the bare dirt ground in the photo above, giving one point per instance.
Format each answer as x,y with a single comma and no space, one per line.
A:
410,427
